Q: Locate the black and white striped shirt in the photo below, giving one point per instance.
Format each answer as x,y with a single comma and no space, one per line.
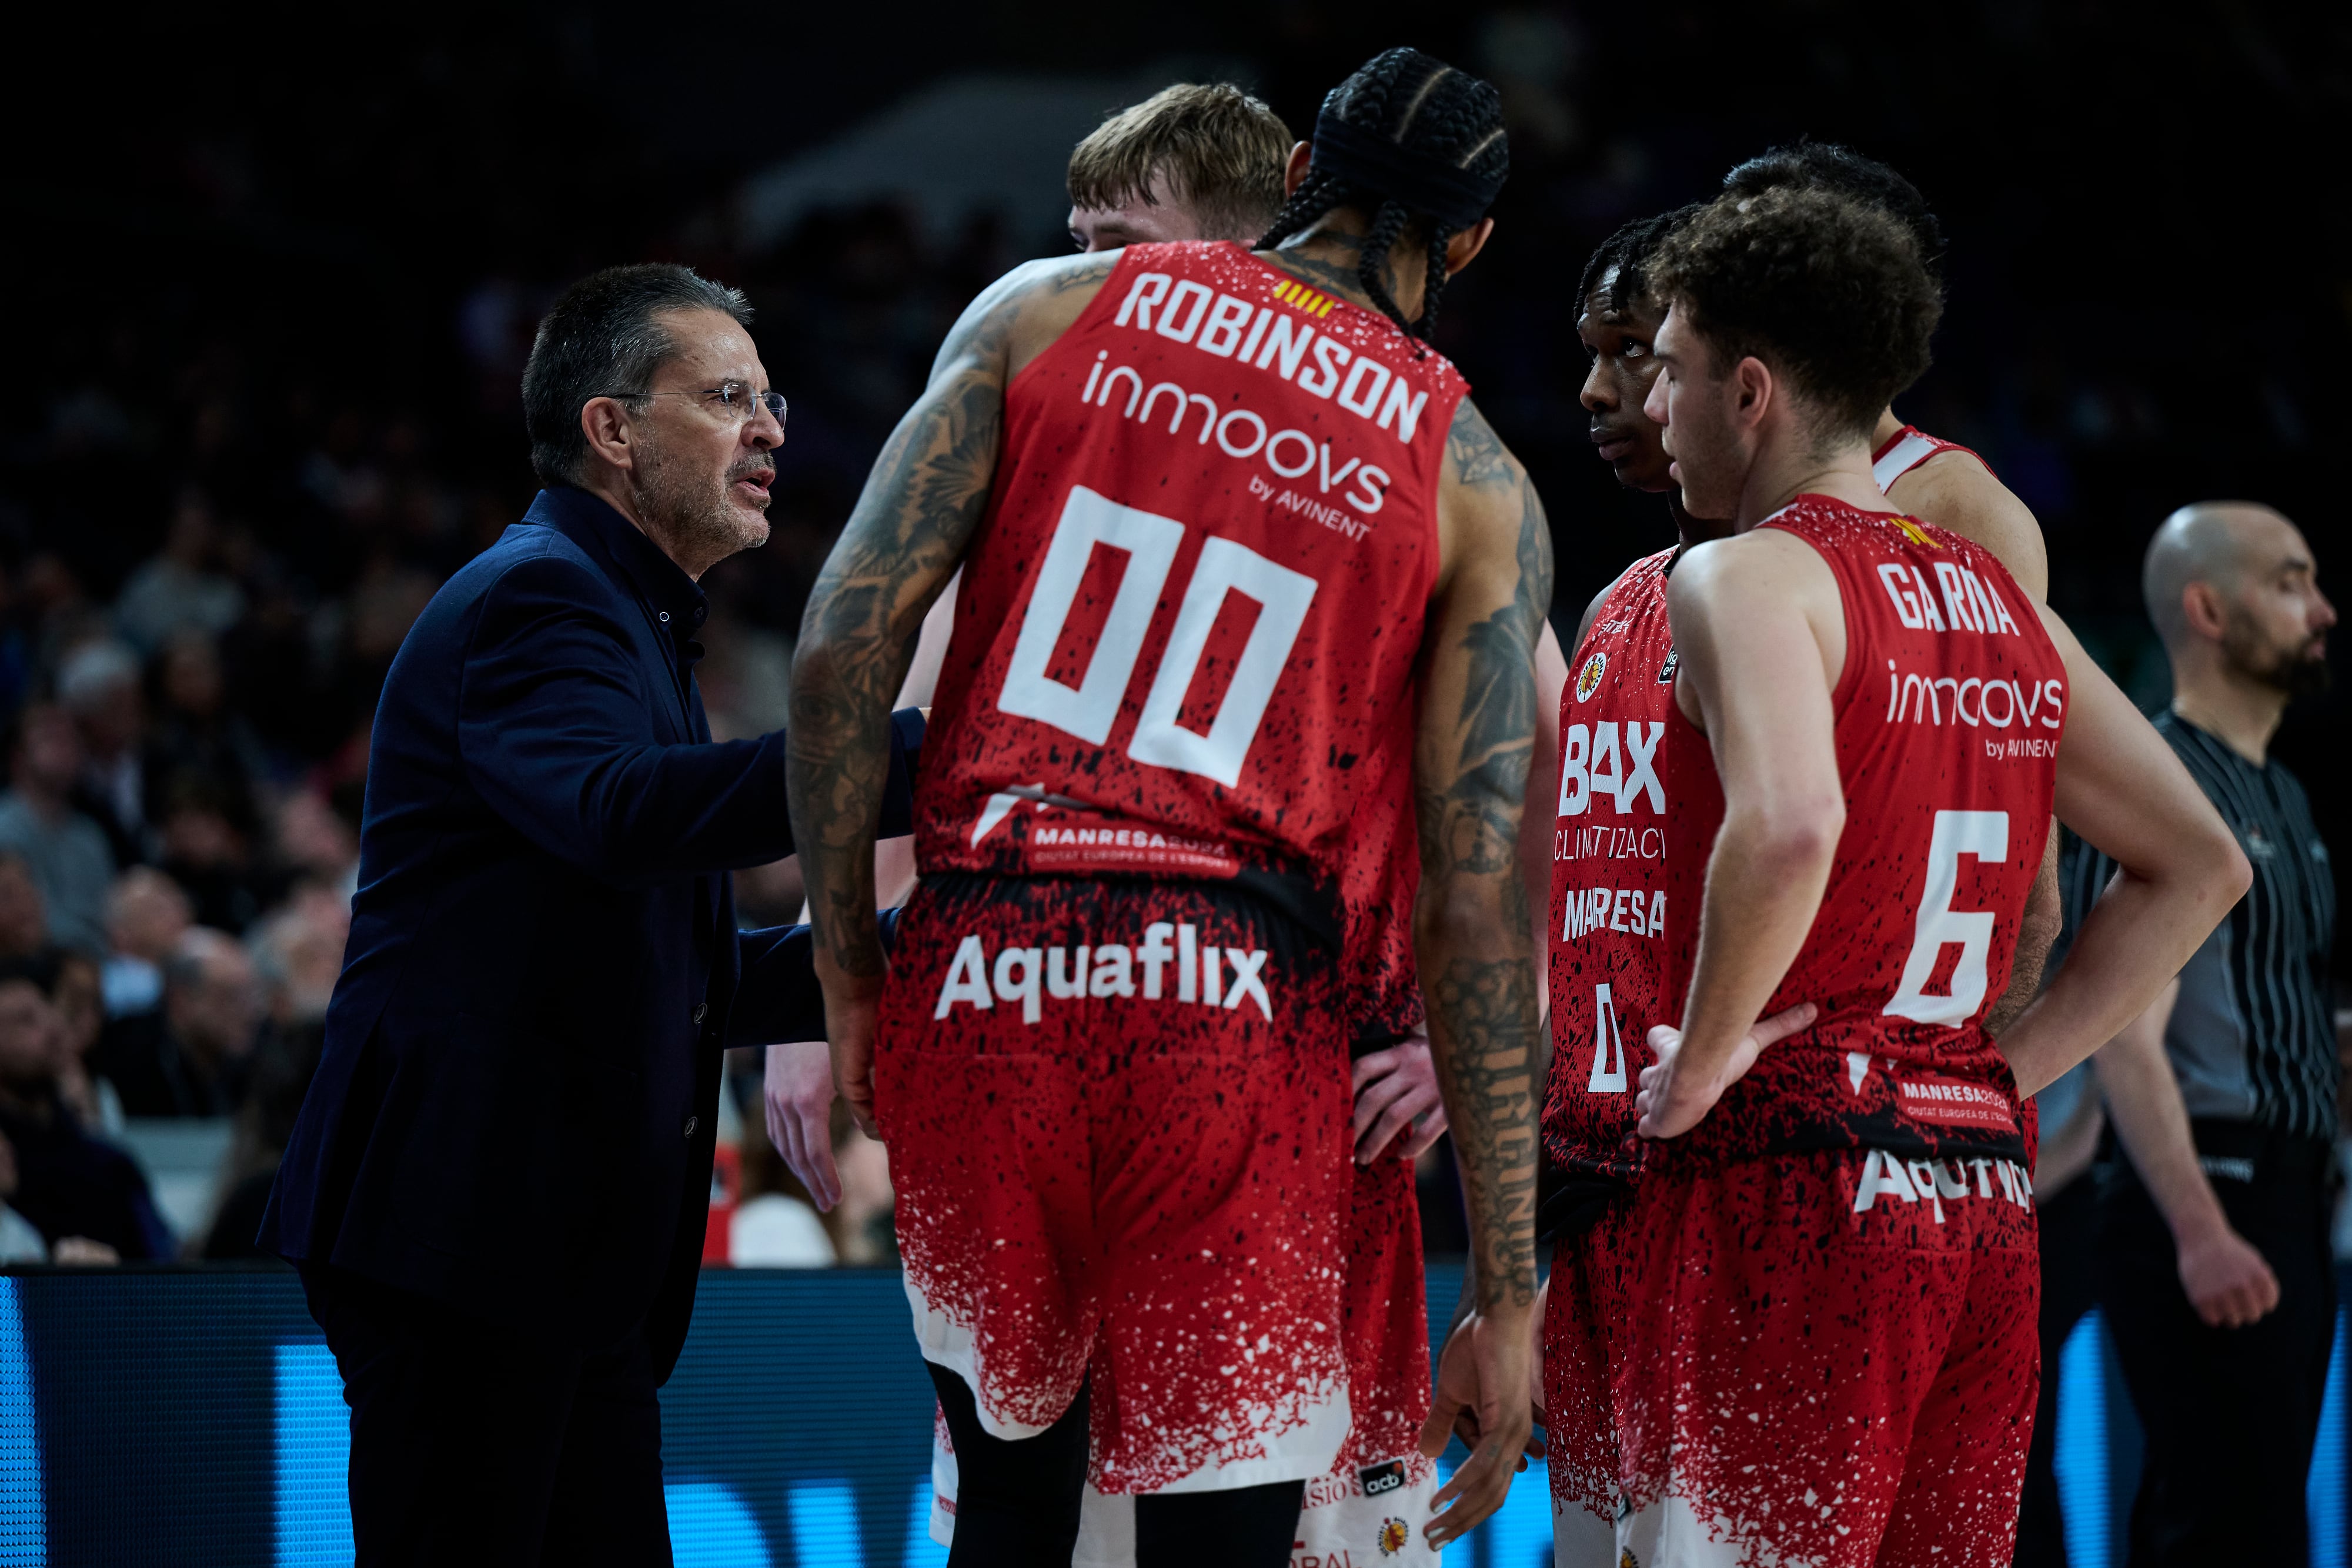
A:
2252,1037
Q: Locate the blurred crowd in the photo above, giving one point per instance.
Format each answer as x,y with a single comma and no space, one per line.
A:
276,404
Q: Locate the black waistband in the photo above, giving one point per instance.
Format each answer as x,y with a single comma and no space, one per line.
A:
1291,900
1570,1202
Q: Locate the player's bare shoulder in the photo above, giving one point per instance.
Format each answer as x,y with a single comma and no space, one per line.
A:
1726,593
1955,490
1487,505
1014,319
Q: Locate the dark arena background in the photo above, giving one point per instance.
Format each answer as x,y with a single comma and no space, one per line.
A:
274,275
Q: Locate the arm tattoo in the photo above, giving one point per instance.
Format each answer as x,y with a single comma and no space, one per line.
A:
925,496
1488,1010
1484,1006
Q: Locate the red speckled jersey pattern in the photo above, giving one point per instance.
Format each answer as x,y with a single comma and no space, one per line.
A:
1189,621
1609,965
1823,1369
1379,882
1175,713
1610,977
1949,712
1116,1114
1829,1351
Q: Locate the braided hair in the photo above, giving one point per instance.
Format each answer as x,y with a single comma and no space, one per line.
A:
1827,166
1627,253
1436,123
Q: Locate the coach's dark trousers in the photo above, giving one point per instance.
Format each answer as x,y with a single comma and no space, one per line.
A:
473,1444
2230,1414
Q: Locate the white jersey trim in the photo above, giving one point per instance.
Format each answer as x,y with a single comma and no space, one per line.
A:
1909,451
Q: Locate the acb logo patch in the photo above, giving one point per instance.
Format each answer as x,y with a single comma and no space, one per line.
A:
1379,1479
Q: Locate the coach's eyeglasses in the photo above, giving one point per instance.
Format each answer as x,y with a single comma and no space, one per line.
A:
736,397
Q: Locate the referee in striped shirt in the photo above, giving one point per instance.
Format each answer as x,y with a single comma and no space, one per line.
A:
2213,1230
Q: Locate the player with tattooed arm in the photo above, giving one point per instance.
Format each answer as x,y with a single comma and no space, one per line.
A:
1236,551
1208,162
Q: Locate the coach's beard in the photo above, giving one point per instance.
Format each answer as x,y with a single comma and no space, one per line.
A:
699,516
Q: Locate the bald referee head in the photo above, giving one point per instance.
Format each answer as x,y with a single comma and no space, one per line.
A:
2234,590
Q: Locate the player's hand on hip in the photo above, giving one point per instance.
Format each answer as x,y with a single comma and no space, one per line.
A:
1677,1095
1397,1098
1482,1398
2229,1282
797,1091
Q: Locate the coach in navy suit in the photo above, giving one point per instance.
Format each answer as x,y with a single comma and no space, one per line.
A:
498,1186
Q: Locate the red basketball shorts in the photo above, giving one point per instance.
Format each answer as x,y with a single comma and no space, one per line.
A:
1371,1506
1118,1120
1830,1359
1584,1318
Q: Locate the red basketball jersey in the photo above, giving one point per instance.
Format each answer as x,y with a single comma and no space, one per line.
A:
1188,622
1609,967
1949,712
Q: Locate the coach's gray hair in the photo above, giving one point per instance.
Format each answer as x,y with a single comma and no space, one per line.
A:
602,339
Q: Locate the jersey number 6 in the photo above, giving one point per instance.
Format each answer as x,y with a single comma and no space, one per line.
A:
1088,709
1985,835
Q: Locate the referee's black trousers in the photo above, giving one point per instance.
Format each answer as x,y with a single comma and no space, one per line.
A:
474,1444
2230,1415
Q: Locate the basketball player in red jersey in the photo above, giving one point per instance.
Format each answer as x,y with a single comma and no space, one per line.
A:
1207,162
1831,1354
1623,646
1924,475
1153,739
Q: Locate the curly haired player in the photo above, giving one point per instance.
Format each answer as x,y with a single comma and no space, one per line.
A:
1829,1349
1608,971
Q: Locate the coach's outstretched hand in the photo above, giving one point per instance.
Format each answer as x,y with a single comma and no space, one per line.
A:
1674,1098
1483,1378
798,1097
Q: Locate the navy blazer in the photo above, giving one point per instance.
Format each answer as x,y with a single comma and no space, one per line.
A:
515,1106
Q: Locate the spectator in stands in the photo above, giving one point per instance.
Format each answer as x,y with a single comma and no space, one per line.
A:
78,995
180,586
24,918
316,842
199,1061
297,952
205,829
99,685
86,1198
196,734
20,1240
146,915
67,852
